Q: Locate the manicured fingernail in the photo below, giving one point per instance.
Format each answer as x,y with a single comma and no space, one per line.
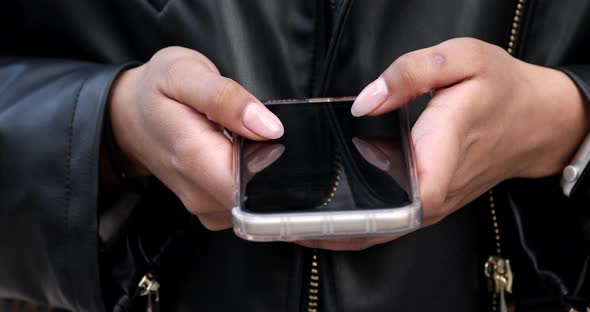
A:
370,98
372,154
265,158
262,122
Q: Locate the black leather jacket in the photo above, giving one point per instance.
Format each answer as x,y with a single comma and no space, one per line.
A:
58,59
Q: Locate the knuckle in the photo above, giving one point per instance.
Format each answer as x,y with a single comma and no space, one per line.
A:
223,94
172,73
206,62
198,58
477,51
177,64
176,70
405,66
166,81
492,48
472,45
167,52
171,53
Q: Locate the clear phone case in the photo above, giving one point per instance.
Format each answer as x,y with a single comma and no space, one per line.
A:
300,225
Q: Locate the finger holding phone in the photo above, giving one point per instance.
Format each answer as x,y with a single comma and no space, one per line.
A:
492,117
165,117
327,188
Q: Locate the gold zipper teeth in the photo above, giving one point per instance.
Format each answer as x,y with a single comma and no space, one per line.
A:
314,284
497,240
336,182
495,223
511,49
516,26
314,277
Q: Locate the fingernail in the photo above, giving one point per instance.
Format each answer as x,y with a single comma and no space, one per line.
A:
262,122
370,98
265,158
371,154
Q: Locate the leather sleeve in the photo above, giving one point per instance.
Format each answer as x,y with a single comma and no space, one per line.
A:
51,115
580,74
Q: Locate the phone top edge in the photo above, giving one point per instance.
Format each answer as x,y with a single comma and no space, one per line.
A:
311,100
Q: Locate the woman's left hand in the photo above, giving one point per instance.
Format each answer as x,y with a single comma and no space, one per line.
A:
492,117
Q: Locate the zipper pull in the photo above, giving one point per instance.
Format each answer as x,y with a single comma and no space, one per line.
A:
500,276
150,287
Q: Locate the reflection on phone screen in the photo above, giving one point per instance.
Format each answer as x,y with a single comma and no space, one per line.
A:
327,160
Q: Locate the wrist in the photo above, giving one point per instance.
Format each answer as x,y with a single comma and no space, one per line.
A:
563,124
115,140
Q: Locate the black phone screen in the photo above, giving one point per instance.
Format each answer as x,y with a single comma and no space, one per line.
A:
327,160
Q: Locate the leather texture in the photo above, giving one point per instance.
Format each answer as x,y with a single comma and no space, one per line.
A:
59,57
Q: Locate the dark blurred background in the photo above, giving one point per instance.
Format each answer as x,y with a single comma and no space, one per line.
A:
7,305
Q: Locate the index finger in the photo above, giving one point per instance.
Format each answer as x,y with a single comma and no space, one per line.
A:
221,99
421,71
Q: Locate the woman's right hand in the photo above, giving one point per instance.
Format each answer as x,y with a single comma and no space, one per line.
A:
167,117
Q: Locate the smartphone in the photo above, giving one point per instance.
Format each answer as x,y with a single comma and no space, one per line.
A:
330,175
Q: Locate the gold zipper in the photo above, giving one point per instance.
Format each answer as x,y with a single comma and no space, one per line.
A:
314,276
336,182
516,26
149,286
314,284
497,268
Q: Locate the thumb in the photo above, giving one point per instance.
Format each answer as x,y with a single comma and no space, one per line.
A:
437,146
221,99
